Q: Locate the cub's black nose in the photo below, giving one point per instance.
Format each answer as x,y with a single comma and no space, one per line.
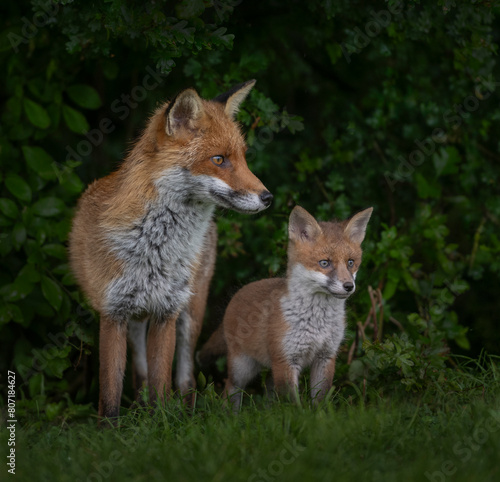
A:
266,197
348,286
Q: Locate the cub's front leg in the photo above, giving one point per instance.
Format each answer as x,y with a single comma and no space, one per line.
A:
241,370
286,379
322,371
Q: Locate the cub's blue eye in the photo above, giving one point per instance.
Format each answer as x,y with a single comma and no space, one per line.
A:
217,160
350,263
324,263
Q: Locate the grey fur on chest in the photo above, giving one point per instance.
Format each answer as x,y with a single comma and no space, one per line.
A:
316,327
159,253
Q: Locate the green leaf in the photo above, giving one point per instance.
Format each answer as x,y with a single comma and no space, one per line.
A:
227,40
4,222
75,120
57,365
462,342
18,235
426,189
52,410
29,274
12,112
40,161
5,315
55,250
68,279
52,292
9,312
109,69
15,313
193,68
72,183
9,208
84,96
16,291
44,309
18,187
390,288
190,8
36,114
48,206
202,381
5,244
21,132
356,370
36,385
61,268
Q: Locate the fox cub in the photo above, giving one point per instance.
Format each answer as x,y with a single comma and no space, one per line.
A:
292,323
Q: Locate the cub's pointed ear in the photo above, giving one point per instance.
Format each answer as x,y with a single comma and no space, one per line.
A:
184,112
233,98
356,227
302,226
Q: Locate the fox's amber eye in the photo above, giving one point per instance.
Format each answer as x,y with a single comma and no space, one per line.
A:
350,263
217,160
324,263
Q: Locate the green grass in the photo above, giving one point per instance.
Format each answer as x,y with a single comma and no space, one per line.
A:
393,437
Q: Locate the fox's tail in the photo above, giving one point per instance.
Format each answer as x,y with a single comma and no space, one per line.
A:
213,348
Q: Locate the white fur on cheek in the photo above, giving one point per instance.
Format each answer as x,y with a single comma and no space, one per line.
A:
225,196
310,281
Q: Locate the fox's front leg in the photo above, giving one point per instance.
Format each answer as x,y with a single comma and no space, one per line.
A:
190,320
187,334
286,380
160,354
322,371
112,361
137,332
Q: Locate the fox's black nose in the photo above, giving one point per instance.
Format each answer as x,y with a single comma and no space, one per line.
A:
266,197
348,286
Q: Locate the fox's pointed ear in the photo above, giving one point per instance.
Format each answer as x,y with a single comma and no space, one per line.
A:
233,98
183,112
356,227
302,226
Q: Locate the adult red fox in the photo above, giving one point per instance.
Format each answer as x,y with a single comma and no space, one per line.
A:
143,242
292,323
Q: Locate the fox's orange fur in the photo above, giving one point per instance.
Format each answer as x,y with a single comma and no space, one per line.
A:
143,241
295,322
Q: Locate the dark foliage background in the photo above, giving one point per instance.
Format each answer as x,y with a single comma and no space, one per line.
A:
387,104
